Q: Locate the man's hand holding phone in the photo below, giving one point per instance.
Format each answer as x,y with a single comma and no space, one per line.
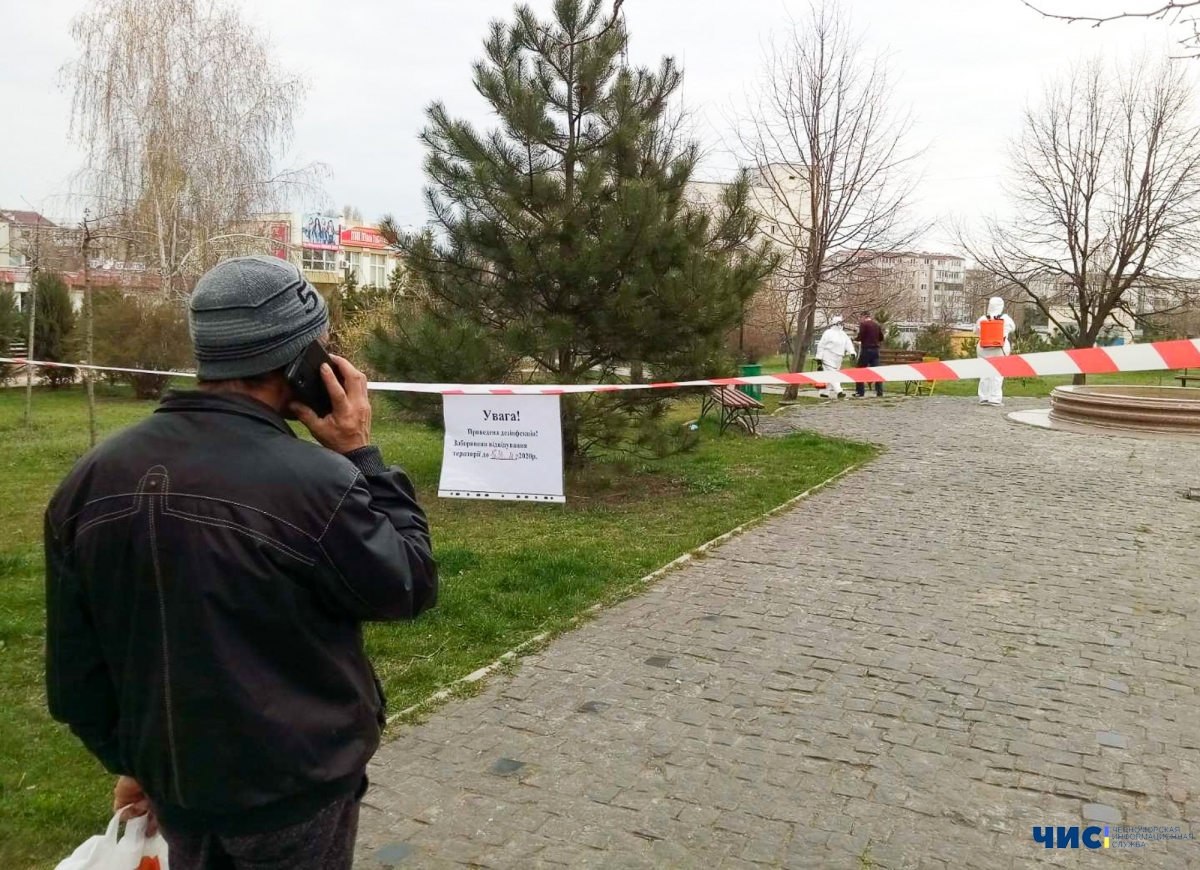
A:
348,426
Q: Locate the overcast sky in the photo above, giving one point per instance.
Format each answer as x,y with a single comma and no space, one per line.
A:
966,68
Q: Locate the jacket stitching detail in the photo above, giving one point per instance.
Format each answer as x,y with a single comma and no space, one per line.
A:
88,504
227,524
342,577
179,495
105,518
237,527
162,615
109,517
338,507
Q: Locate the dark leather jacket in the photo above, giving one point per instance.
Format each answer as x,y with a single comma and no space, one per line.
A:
207,577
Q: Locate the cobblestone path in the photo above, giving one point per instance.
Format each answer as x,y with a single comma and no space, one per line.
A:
990,628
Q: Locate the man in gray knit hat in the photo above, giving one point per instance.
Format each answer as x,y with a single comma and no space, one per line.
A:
207,577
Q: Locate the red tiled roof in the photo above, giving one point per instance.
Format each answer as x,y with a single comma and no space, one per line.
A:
24,218
101,278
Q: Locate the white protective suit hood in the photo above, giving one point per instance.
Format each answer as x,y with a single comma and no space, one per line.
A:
995,306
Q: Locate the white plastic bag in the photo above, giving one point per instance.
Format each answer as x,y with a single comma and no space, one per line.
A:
134,851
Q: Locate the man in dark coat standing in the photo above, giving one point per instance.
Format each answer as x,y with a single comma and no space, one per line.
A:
207,577
870,339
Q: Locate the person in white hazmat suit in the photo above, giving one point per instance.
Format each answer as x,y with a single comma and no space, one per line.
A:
833,347
993,330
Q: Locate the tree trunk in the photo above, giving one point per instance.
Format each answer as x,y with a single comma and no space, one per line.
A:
799,352
805,321
1086,339
89,328
742,336
30,349
570,408
570,413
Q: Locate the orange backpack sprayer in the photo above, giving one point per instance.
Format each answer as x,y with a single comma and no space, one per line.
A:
991,333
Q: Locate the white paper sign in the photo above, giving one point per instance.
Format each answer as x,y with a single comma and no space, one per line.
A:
503,447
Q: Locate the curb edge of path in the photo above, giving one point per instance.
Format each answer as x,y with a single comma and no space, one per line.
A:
477,675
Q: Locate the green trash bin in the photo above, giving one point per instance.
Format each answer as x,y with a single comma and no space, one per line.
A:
752,390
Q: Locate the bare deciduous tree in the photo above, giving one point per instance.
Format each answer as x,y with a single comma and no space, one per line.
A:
184,116
34,256
89,325
981,285
872,282
1172,11
1105,198
829,147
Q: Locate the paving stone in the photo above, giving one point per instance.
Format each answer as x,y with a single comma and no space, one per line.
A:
995,630
507,766
1111,738
393,855
1101,813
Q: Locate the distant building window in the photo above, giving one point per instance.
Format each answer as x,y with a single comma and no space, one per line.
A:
320,261
377,276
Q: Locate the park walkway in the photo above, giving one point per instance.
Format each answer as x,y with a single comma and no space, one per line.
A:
990,628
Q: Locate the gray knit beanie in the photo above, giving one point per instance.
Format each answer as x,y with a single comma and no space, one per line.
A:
252,315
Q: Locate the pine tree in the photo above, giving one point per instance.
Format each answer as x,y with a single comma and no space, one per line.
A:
564,234
55,327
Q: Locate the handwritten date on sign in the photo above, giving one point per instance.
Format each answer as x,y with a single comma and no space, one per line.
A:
513,455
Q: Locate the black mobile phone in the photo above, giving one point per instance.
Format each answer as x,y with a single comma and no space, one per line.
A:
304,374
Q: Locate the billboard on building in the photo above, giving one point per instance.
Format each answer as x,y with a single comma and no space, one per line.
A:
281,237
363,237
320,232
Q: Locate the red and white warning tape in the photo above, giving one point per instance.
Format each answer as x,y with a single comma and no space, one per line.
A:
1157,356
59,365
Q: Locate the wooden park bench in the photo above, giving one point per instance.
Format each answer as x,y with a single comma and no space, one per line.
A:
896,357
1185,376
893,357
736,407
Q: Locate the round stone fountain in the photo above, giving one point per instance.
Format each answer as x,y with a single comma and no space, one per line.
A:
1145,411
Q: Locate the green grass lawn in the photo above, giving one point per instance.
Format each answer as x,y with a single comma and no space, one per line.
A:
774,365
508,571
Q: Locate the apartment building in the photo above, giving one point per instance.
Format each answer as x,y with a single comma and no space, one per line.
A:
928,286
26,237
